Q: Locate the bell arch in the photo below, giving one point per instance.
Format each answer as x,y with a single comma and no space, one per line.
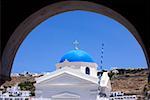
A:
87,70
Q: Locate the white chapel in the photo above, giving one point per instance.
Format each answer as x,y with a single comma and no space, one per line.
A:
75,78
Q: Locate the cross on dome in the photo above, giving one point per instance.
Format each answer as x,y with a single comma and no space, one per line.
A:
76,43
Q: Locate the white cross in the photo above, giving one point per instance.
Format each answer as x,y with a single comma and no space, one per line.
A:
76,43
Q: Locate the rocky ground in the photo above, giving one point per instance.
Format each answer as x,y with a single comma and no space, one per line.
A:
17,80
131,83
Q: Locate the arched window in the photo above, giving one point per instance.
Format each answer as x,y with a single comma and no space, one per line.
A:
87,70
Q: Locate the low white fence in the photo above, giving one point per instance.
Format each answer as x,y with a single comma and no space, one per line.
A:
133,97
23,98
15,98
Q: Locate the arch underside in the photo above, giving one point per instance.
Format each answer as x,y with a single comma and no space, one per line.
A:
35,19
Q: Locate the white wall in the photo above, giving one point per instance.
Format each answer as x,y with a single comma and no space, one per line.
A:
85,92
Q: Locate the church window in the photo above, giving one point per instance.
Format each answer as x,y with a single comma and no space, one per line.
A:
87,70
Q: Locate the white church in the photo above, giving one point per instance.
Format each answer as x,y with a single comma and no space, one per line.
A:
75,78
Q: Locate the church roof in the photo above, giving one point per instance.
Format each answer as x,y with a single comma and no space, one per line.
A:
66,71
77,56
66,95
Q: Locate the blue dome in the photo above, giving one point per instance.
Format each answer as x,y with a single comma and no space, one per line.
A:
77,56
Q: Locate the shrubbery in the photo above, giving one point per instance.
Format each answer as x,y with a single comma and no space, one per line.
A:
27,86
146,90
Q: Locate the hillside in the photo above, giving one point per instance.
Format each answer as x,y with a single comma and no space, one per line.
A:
131,82
127,81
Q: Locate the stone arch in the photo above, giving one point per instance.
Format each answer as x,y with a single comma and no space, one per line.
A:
36,18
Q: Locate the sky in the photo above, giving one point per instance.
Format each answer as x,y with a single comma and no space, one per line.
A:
50,40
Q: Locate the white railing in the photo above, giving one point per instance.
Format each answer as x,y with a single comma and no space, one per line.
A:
23,98
15,98
133,97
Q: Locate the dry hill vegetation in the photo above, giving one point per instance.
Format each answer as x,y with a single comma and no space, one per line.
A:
129,81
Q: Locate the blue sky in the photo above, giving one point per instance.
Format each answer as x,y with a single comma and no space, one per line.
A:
49,41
